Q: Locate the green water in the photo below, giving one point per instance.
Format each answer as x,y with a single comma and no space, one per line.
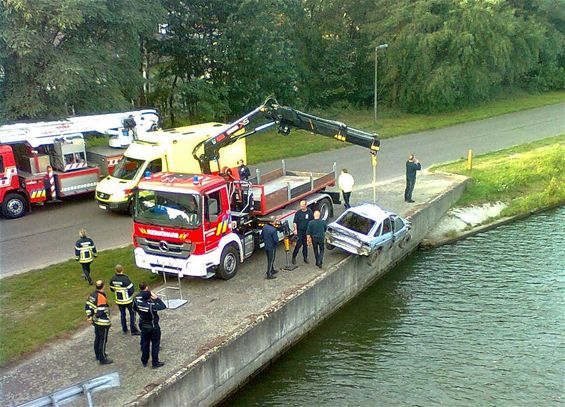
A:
478,323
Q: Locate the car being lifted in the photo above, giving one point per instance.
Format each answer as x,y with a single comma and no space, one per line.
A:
367,230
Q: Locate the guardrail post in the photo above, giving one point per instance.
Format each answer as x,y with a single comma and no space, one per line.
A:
311,182
283,167
470,159
258,175
288,189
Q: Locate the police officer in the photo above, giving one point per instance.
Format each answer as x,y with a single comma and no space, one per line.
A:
98,312
271,239
316,233
122,287
147,304
301,219
412,165
85,252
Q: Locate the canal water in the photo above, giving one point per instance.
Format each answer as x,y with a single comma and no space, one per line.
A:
478,323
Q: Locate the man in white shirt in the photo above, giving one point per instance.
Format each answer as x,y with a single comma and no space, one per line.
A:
345,183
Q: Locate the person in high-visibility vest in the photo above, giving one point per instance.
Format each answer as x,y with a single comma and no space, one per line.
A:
98,312
85,252
123,288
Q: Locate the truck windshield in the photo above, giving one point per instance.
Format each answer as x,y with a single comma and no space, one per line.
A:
167,209
356,222
127,168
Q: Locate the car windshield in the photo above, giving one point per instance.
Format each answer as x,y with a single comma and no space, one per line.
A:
355,222
167,209
127,168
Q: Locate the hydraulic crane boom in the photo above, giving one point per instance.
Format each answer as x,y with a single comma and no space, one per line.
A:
285,118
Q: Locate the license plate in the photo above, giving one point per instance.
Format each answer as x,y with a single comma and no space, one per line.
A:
103,207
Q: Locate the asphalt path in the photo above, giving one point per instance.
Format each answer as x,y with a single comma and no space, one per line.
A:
47,235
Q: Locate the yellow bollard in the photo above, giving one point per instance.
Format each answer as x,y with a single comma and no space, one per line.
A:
470,160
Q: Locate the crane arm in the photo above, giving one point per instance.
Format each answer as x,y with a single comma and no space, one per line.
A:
286,118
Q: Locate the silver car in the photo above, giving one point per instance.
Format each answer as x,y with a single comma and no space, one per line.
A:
367,230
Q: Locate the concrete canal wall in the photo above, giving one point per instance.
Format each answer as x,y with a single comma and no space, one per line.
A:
227,366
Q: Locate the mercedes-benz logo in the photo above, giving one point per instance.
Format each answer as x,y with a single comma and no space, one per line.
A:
163,246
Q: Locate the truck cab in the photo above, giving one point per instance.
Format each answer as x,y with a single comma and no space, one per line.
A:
168,151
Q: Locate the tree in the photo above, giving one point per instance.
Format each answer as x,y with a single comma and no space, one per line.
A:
447,54
71,56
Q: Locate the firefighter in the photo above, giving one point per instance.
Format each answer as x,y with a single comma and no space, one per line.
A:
302,218
85,252
147,304
98,312
271,239
122,287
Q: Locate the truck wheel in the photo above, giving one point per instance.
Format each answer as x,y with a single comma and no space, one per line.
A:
326,209
14,206
228,263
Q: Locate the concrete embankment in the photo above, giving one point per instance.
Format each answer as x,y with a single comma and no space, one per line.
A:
229,329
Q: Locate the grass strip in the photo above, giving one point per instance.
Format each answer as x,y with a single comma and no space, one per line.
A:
41,306
527,177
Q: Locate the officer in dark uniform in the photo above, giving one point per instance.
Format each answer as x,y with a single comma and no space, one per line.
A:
147,304
271,239
301,219
122,287
98,312
85,252
316,234
243,170
412,165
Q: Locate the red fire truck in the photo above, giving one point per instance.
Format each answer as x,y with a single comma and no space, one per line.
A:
206,224
49,160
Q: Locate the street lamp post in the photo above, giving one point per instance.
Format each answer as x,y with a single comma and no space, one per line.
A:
377,48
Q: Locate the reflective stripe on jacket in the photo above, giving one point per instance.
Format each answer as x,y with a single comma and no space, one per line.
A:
122,287
85,251
97,308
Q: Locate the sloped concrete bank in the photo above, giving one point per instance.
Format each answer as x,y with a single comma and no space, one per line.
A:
228,365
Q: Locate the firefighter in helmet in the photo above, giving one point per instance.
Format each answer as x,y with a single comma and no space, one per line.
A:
85,252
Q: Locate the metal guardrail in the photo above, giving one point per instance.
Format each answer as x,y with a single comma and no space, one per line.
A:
81,389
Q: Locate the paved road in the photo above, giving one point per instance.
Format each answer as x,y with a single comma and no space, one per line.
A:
47,236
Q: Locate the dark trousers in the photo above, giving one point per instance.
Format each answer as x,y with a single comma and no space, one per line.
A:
346,196
100,340
123,308
409,188
301,241
318,245
270,261
86,272
150,337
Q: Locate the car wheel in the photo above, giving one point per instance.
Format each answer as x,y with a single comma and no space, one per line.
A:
14,206
228,263
373,257
404,241
329,246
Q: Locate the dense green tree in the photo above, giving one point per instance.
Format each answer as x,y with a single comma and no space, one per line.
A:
65,56
446,54
261,54
188,56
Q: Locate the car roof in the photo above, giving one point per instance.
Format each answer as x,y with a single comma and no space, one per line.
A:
371,211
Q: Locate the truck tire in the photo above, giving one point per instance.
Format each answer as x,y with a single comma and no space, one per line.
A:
326,209
228,263
14,206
